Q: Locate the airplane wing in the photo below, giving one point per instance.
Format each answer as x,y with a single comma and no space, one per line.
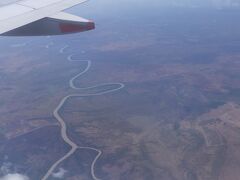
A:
41,17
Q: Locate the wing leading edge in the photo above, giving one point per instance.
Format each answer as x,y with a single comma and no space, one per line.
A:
31,18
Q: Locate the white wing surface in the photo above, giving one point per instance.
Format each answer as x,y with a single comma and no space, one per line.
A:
41,17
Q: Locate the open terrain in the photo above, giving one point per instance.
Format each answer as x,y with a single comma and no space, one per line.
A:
114,104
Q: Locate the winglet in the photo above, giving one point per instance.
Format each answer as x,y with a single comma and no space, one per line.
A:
69,23
58,24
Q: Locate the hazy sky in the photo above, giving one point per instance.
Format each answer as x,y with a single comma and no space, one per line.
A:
213,3
179,3
193,3
185,3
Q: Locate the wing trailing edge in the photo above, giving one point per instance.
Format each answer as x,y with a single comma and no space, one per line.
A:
58,24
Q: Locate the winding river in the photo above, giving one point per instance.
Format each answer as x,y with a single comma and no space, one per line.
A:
61,121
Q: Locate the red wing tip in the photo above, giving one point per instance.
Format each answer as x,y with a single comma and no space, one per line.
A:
71,28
